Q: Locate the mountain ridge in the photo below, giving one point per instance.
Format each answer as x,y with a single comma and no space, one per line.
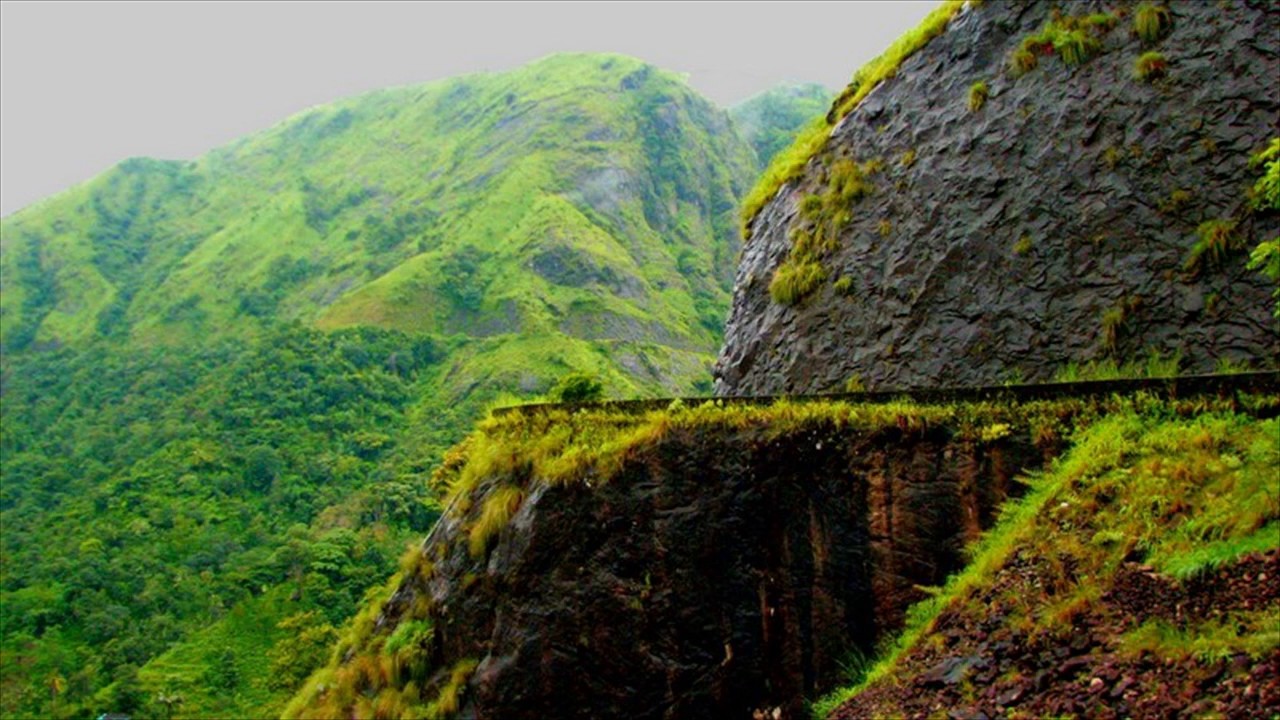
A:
229,377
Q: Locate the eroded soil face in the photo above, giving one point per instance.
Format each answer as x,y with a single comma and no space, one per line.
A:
980,665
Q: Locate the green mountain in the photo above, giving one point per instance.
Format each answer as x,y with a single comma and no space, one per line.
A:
582,198
771,119
226,381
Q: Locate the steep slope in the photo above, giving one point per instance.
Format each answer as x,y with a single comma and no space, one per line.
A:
1137,579
588,197
209,453
1030,188
726,560
770,120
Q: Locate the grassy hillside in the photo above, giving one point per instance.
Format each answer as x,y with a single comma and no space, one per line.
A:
583,195
225,380
1141,555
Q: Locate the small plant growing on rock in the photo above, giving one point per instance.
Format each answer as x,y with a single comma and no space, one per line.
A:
793,281
1150,66
1112,157
1217,240
1177,200
884,227
855,384
978,93
1022,61
1076,47
1114,320
908,158
1265,195
1151,22
1023,246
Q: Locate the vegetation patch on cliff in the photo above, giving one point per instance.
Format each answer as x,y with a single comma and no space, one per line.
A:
517,455
1149,508
789,163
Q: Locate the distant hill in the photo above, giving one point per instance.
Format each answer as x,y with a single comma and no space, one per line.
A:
771,119
226,381
583,197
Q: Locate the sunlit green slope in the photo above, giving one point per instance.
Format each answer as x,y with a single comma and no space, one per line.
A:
583,195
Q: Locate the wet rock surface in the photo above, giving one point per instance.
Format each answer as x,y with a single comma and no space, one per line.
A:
1071,193
713,576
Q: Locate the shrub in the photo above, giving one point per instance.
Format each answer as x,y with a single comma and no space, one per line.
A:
1152,22
578,387
1149,66
978,93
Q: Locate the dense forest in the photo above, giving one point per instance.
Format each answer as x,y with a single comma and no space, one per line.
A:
192,523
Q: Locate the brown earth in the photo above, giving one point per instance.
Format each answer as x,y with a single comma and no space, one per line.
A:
981,666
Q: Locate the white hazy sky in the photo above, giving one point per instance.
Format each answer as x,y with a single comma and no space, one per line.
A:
84,85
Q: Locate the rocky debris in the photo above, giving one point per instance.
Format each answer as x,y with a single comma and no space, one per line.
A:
1088,673
1073,196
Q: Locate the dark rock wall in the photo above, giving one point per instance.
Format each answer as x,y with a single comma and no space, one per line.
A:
717,574
1105,176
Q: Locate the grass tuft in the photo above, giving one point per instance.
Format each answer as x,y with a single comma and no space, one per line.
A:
978,93
1022,61
795,280
1151,22
497,512
1150,66
1216,241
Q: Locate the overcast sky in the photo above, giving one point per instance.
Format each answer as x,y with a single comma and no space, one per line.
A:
85,85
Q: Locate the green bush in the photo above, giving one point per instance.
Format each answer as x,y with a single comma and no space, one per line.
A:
578,387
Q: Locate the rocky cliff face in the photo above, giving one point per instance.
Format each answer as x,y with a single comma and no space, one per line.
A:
1006,229
705,563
